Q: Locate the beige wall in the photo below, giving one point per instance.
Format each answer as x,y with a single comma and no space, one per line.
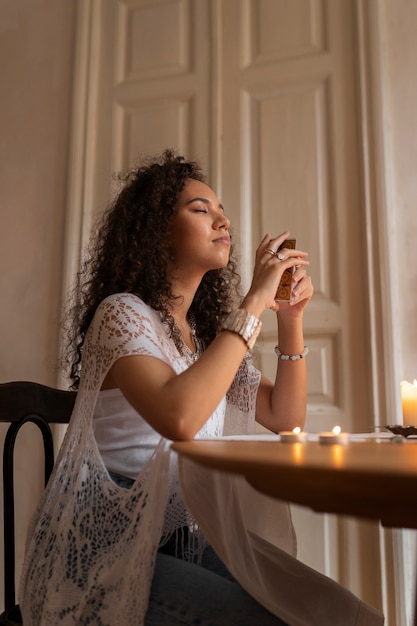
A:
36,59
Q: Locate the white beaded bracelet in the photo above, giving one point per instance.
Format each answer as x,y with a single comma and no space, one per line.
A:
287,357
244,324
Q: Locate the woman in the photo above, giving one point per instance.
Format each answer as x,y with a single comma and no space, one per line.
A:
162,352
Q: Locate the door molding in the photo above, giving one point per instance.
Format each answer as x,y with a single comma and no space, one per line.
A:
76,211
397,563
379,214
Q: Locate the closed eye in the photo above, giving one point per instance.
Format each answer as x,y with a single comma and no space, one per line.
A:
204,205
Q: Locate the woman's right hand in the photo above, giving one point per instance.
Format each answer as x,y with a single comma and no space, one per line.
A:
268,271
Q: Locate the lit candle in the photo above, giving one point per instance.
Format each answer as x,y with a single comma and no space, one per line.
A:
409,402
335,436
293,436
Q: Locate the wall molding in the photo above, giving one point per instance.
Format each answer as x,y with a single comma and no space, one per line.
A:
396,563
379,213
74,225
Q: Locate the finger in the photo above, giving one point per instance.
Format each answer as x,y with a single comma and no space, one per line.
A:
263,243
303,290
295,257
300,264
277,241
289,253
299,273
267,247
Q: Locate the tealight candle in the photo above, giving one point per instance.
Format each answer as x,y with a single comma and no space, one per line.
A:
409,402
335,436
293,436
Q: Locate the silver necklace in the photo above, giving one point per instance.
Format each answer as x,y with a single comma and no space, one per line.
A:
183,349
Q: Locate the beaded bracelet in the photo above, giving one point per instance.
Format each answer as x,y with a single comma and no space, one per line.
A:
287,357
244,324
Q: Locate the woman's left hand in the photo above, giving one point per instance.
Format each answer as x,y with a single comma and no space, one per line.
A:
302,293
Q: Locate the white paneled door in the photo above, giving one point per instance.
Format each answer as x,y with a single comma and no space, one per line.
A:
264,93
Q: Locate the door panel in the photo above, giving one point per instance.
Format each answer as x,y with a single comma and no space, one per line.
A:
151,87
293,147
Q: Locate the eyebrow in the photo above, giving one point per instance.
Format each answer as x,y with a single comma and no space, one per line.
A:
204,200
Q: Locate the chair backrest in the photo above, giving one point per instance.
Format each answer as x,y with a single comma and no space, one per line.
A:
22,402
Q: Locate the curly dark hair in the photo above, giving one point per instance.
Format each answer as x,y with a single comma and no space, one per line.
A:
129,254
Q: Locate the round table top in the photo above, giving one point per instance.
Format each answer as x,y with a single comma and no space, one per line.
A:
372,479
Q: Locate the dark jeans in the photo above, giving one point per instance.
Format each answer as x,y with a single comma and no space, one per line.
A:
186,594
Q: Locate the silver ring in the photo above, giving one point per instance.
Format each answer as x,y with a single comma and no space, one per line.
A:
270,251
280,255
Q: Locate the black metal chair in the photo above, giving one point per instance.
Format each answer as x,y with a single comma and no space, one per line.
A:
22,402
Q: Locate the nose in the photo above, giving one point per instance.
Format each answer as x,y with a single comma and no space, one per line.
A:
223,222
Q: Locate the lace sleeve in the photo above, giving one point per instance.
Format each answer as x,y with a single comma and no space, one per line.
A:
125,324
241,400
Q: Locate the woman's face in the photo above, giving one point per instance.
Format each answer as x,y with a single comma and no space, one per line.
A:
199,231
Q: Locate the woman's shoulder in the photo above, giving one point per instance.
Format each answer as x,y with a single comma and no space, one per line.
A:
127,303
124,299
125,324
124,309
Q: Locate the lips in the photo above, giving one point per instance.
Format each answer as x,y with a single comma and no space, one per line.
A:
224,240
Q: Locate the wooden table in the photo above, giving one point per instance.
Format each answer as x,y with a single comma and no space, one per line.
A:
374,480
367,479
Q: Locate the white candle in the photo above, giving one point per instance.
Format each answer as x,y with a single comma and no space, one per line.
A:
409,402
335,436
293,436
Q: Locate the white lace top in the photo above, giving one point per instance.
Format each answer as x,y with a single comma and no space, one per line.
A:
91,544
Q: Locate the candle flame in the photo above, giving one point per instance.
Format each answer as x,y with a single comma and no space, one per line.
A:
296,430
336,430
